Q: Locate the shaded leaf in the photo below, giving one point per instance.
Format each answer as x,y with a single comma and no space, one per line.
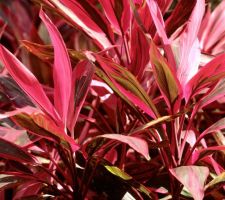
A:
202,153
16,95
11,151
139,53
118,172
118,13
128,179
179,16
219,180
7,181
46,52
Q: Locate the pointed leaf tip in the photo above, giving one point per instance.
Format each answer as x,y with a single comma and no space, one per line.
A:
27,81
62,72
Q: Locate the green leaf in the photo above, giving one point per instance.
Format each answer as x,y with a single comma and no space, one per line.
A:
127,178
218,181
164,76
118,172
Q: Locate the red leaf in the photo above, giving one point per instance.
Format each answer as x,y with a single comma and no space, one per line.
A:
137,144
139,53
216,69
27,81
62,69
158,20
81,80
78,16
118,13
193,178
200,154
179,16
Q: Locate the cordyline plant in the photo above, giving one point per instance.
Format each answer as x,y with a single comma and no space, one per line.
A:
112,99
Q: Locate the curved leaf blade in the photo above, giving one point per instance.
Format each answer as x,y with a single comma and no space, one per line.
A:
27,81
193,178
62,72
11,151
138,144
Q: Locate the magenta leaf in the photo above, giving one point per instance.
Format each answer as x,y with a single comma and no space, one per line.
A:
128,87
193,178
62,69
118,13
81,80
27,81
216,69
138,144
202,153
139,53
161,32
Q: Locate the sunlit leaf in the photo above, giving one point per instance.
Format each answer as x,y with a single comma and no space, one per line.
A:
136,143
217,181
193,178
62,69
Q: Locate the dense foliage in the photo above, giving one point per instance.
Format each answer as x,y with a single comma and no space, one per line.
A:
112,99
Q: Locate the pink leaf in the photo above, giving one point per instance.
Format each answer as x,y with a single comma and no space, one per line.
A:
193,178
160,27
189,45
158,20
27,81
62,69
137,144
109,9
212,31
